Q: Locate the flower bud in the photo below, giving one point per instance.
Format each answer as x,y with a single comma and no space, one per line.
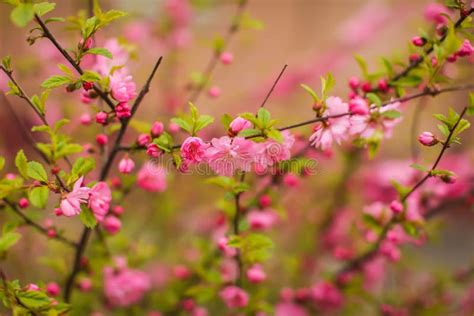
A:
23,203
85,119
86,45
265,201
383,85
418,41
87,85
354,83
427,139
122,110
238,124
226,58
255,274
126,165
143,139
153,150
102,139
53,289
396,207
112,224
366,87
214,92
101,118
157,129
448,178
359,106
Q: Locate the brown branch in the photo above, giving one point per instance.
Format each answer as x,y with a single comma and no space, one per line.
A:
37,226
47,33
233,28
103,175
357,262
273,86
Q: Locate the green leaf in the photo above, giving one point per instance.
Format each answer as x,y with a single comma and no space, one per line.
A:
419,167
111,15
202,122
327,84
36,171
311,92
391,114
250,132
374,99
39,196
44,7
34,300
264,117
21,164
410,81
2,162
470,109
226,119
83,166
90,76
183,124
87,217
444,129
22,14
363,66
8,240
276,135
7,62
255,248
55,81
100,51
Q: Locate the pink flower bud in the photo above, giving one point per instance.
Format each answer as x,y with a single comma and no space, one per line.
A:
58,211
414,58
452,58
448,178
53,289
52,233
383,85
117,210
122,110
173,128
181,272
143,139
85,285
23,203
291,180
188,304
116,182
126,165
102,139
214,92
466,49
101,118
359,106
418,41
354,83
87,85
225,248
157,129
87,44
32,287
396,207
112,224
85,119
226,58
234,297
255,274
239,124
434,61
366,87
427,139
153,150
10,176
265,201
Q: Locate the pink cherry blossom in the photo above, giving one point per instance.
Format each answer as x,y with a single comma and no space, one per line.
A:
288,308
333,129
125,287
99,200
326,295
366,126
262,219
193,150
112,224
126,165
152,177
255,274
238,125
71,203
226,155
234,296
271,152
122,87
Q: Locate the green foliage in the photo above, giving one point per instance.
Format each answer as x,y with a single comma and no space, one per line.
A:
263,126
56,81
10,186
229,184
22,14
327,84
2,162
448,123
470,109
81,167
36,171
254,248
194,122
164,142
87,217
8,239
100,51
38,196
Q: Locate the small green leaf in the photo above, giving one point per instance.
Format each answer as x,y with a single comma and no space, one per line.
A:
55,81
311,92
226,119
183,124
100,51
391,114
2,162
36,171
374,99
22,14
87,217
90,76
470,109
33,299
44,7
202,122
22,163
419,167
263,116
276,135
38,196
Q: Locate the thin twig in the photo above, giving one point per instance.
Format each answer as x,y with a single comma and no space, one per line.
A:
37,226
211,65
357,262
273,86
